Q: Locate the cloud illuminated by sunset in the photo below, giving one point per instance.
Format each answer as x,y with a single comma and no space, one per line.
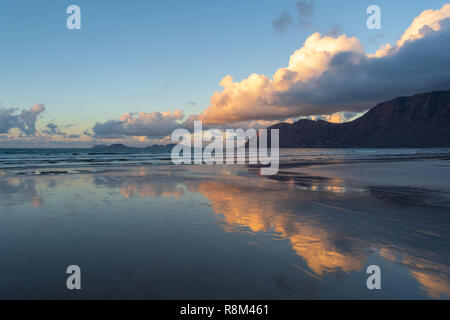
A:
332,74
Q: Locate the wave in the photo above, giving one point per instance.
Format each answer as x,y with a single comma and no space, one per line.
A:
27,159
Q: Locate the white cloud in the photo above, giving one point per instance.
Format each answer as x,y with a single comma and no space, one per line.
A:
154,124
25,120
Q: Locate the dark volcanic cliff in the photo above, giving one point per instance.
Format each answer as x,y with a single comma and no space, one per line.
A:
422,120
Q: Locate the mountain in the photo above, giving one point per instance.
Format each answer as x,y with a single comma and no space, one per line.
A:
99,146
117,146
152,148
161,147
422,120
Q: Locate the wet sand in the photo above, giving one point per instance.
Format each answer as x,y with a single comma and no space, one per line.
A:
434,174
224,232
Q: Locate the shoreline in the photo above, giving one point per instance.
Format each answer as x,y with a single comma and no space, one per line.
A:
408,173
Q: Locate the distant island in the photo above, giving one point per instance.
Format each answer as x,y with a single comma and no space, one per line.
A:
119,146
422,120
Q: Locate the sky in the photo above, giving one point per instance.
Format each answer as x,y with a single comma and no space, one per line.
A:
138,69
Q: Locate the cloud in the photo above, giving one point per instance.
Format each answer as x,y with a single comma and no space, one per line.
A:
305,12
337,117
154,124
25,120
428,19
334,74
53,129
423,25
281,23
8,120
258,96
334,31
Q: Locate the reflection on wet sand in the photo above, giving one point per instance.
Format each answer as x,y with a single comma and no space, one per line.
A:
434,278
141,183
328,240
318,216
259,211
13,190
319,244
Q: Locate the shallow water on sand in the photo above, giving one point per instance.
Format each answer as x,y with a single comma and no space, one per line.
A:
221,232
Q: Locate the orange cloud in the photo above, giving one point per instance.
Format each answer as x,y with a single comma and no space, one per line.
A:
256,95
427,20
332,74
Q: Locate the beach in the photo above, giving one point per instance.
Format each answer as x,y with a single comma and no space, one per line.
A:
152,230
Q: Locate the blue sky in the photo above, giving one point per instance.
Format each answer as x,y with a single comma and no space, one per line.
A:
134,56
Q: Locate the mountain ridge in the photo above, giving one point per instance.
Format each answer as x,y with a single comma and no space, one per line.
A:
421,120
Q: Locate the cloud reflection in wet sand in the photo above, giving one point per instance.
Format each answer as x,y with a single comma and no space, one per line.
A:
334,230
329,237
261,211
16,190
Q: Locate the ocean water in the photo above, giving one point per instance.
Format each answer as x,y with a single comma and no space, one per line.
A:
140,227
48,160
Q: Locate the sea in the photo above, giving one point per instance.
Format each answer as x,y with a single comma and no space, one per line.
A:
43,161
